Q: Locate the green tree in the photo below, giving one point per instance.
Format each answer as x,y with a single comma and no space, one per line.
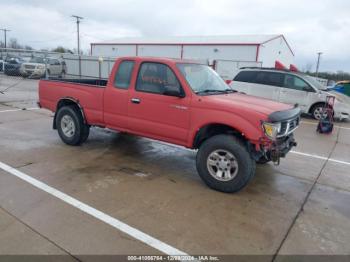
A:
61,49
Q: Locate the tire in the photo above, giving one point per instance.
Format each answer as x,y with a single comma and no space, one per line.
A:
241,169
316,111
71,127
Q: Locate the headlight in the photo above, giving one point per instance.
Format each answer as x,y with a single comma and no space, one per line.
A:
271,129
40,67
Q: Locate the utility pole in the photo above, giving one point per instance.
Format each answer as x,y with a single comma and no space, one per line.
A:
318,62
5,30
78,36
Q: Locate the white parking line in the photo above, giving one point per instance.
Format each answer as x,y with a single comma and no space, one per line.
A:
308,155
133,232
320,157
16,110
315,124
293,152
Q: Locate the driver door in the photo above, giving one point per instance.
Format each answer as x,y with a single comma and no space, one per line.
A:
296,91
153,114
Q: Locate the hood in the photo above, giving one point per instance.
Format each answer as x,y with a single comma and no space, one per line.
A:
33,64
239,102
339,96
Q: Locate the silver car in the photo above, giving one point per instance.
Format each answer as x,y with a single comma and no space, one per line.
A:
291,88
36,67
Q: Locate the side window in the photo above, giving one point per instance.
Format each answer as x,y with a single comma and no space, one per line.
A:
154,77
123,76
295,83
246,76
275,79
269,78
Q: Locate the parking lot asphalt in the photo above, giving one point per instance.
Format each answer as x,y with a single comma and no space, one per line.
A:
299,207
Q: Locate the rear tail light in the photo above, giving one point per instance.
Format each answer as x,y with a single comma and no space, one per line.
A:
228,81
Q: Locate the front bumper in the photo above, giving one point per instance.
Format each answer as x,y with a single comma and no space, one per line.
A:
33,72
274,150
341,111
281,147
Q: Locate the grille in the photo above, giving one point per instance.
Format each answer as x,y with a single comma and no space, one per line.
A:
29,66
289,126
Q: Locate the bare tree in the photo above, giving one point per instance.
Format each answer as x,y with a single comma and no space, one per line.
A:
13,43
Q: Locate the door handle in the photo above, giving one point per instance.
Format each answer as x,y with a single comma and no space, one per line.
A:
135,100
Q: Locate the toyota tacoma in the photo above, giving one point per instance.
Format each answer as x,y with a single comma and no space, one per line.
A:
179,102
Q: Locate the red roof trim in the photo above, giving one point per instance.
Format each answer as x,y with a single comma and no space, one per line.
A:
184,44
276,37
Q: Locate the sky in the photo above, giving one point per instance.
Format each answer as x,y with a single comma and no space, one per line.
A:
309,26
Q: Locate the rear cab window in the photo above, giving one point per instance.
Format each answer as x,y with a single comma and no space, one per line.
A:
123,75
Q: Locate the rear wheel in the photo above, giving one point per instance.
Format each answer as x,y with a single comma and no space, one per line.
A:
224,163
70,126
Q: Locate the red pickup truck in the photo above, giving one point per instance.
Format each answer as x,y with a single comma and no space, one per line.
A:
179,102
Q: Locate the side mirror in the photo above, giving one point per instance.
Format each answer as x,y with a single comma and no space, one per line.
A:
308,89
170,90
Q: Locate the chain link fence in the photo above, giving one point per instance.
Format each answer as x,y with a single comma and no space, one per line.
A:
20,68
39,64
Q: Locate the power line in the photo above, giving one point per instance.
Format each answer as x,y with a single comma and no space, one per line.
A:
5,31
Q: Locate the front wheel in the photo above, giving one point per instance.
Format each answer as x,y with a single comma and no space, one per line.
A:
70,126
224,163
318,113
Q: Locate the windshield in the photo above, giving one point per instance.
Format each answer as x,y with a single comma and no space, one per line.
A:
315,83
203,79
38,60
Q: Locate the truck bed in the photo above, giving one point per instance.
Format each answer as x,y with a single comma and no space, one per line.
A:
88,92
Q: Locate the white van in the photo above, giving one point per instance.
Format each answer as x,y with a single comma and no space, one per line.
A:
291,88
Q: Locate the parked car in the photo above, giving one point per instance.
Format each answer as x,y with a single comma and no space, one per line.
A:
342,87
2,65
36,67
178,102
12,66
291,88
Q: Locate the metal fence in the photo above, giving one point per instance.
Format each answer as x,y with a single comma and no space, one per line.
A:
44,64
39,64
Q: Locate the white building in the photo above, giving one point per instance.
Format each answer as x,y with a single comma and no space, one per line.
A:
225,53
